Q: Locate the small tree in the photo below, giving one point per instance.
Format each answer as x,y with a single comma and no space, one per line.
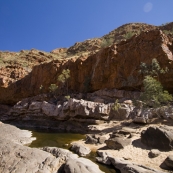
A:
63,78
152,69
53,88
116,106
153,94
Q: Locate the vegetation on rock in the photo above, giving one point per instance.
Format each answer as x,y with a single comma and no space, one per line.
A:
128,35
154,94
116,106
63,78
106,42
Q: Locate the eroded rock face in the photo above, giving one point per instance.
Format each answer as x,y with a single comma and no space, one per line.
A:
146,115
71,108
158,137
104,69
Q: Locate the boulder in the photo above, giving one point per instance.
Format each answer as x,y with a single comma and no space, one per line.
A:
158,137
141,120
103,157
81,165
48,109
60,153
154,153
90,139
72,163
117,143
122,113
80,149
102,139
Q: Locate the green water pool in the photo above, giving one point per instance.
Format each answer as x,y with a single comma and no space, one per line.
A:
63,140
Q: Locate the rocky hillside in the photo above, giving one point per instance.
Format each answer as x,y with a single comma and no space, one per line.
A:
111,61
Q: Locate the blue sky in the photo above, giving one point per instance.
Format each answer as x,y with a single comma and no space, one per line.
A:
49,24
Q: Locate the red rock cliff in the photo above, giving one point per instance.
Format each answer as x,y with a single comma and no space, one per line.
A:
113,67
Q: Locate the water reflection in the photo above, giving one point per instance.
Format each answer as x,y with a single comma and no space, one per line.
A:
63,140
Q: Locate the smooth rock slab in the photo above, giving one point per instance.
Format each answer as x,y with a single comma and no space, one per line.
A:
22,159
15,134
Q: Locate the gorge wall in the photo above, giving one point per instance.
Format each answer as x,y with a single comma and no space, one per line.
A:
116,66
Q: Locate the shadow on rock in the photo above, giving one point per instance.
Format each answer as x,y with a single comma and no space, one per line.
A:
138,144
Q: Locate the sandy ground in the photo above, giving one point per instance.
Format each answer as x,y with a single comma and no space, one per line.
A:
136,152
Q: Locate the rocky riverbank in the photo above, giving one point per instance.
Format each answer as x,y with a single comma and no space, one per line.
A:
14,157
129,138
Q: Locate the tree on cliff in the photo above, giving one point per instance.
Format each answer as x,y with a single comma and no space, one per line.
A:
154,94
64,77
54,88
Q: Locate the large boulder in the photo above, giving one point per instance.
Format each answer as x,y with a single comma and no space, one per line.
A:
158,137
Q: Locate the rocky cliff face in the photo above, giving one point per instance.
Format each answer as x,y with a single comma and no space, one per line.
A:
116,66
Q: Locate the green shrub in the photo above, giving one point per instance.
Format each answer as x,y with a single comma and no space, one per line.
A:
67,97
106,42
128,35
53,88
153,94
63,78
152,69
116,106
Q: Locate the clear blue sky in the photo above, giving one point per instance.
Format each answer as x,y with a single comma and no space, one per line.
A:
49,24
